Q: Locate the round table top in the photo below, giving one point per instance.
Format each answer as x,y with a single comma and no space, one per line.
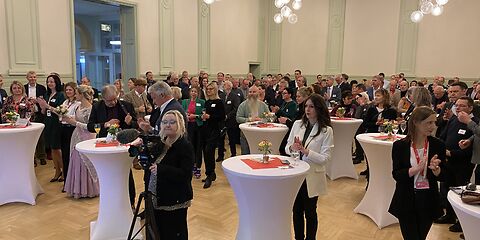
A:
264,127
345,120
237,167
88,146
372,138
33,126
473,210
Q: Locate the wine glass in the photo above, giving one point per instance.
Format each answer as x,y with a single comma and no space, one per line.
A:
395,130
296,157
381,129
97,128
403,127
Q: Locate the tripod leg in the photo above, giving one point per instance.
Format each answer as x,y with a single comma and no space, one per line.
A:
134,220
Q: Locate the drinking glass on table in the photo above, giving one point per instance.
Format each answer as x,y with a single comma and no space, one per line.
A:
403,126
97,128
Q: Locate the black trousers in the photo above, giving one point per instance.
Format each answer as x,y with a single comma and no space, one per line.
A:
210,139
131,188
194,137
233,139
416,224
359,153
67,131
305,208
172,225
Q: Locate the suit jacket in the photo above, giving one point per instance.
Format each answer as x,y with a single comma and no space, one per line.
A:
137,102
199,106
344,86
99,115
174,174
41,91
319,154
3,97
172,105
371,93
403,201
231,103
336,93
475,139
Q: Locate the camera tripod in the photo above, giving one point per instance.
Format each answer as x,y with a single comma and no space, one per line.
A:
151,231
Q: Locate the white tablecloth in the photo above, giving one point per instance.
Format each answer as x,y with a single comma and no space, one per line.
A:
468,215
265,197
341,164
18,182
255,134
381,186
114,214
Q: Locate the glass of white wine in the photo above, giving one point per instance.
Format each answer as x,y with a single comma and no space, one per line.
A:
403,126
97,128
296,157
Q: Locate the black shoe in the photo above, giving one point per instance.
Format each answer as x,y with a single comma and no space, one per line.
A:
364,173
208,183
357,160
219,159
462,236
445,219
212,177
455,227
43,162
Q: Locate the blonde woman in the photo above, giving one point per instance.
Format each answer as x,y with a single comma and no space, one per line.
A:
81,180
171,177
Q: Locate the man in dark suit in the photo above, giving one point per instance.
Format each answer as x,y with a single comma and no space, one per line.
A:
86,81
34,91
376,84
332,93
231,101
111,110
342,83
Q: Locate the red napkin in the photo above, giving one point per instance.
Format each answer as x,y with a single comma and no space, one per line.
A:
266,125
10,126
105,144
385,137
341,118
273,163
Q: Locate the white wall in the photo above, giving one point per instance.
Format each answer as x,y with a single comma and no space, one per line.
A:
370,38
186,36
234,35
3,42
304,43
450,44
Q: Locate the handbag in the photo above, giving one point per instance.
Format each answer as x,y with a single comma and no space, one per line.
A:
470,197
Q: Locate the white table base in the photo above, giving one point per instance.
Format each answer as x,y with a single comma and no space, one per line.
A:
265,202
18,182
381,186
114,214
341,164
468,215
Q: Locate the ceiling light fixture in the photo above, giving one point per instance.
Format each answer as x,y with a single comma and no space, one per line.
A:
287,12
428,7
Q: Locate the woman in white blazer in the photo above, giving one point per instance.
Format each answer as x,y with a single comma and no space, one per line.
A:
312,137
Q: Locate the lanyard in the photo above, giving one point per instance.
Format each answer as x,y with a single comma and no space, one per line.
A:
425,149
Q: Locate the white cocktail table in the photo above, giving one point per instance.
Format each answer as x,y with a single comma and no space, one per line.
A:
381,185
114,212
265,197
255,132
468,215
341,164
18,182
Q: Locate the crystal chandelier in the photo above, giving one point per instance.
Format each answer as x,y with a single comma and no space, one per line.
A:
428,7
208,1
286,11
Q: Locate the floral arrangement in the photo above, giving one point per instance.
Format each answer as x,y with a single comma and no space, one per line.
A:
61,110
264,146
268,116
12,116
389,126
113,129
340,112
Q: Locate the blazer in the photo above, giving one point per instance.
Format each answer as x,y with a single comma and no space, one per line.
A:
137,102
231,103
99,115
336,93
403,200
41,91
319,154
199,106
172,105
174,174
475,139
370,119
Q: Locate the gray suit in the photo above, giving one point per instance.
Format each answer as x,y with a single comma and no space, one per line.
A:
475,139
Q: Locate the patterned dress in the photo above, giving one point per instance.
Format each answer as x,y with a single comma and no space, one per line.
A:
82,178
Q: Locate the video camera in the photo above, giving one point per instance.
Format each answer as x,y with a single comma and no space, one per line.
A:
145,153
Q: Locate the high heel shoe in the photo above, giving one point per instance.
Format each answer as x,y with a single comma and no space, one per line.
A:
57,178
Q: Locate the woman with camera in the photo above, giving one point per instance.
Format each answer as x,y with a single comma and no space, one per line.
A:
417,166
171,177
312,138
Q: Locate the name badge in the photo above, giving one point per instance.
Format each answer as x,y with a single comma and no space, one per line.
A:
239,94
229,102
53,100
422,184
214,104
198,105
49,113
334,95
286,110
462,131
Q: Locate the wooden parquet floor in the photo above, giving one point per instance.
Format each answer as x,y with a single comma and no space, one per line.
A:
213,215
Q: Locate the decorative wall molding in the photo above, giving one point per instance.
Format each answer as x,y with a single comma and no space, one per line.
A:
262,7
23,36
166,17
336,28
203,36
273,41
407,39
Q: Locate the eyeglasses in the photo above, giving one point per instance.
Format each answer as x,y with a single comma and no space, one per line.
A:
171,122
